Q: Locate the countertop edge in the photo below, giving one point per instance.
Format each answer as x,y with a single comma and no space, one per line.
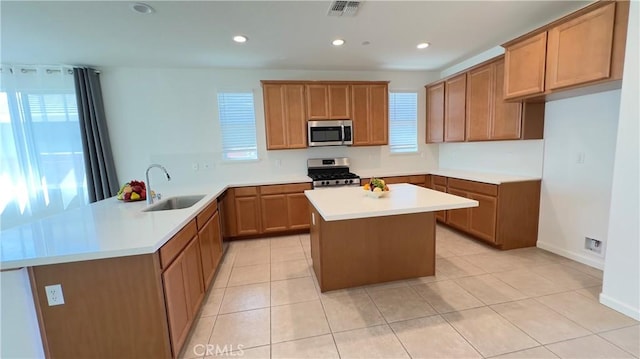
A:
210,196
483,177
395,212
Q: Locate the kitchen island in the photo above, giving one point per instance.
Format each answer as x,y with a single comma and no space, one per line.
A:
358,240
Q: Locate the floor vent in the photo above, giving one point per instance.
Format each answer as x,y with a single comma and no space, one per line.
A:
344,8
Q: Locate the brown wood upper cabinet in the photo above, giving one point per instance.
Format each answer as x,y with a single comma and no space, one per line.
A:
525,63
454,108
579,50
446,110
369,114
470,107
328,101
489,117
435,113
285,115
585,47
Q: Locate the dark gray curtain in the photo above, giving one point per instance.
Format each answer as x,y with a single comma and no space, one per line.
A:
102,181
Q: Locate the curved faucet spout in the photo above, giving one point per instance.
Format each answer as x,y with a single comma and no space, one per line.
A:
149,191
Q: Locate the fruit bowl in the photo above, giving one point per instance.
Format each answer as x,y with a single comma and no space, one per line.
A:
133,191
376,188
376,194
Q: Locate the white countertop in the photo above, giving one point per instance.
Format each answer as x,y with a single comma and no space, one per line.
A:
112,228
492,178
485,177
107,229
342,203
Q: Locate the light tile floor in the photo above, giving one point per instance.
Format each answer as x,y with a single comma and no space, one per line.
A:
482,302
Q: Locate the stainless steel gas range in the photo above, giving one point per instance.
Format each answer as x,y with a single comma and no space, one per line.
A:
331,172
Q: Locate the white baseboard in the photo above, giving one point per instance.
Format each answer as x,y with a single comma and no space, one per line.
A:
591,262
620,307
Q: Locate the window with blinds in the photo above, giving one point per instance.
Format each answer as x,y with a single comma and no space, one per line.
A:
238,126
403,122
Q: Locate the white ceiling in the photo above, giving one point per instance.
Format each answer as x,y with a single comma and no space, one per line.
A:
282,34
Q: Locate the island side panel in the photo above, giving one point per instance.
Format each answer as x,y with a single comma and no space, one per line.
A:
113,308
373,250
314,234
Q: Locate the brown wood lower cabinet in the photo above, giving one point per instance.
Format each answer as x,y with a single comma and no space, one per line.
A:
298,206
247,204
482,219
140,306
458,218
439,183
507,213
275,213
251,211
284,207
177,301
210,247
418,180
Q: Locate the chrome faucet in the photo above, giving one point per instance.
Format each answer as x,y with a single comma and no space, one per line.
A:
150,194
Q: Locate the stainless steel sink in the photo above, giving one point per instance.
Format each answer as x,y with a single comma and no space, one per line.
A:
179,202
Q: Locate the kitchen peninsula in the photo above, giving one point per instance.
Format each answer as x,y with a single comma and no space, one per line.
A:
358,240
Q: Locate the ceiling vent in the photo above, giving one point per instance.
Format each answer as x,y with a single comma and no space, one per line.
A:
344,8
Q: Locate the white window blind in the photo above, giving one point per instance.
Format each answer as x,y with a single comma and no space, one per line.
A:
403,122
238,126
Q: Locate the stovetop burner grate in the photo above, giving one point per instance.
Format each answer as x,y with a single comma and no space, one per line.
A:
331,172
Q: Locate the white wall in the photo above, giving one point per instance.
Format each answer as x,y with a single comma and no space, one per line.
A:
472,61
170,116
19,331
621,287
575,196
522,158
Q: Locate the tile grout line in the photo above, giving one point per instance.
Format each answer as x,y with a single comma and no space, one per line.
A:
462,335
324,311
387,322
454,280
614,344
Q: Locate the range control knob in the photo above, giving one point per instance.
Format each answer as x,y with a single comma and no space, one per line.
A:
337,182
350,181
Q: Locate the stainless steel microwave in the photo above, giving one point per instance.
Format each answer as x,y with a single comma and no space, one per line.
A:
330,133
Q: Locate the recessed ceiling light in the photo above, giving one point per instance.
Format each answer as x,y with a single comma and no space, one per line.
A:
240,39
337,42
142,8
366,43
423,45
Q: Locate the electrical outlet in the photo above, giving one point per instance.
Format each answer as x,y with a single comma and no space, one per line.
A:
278,163
54,294
593,245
